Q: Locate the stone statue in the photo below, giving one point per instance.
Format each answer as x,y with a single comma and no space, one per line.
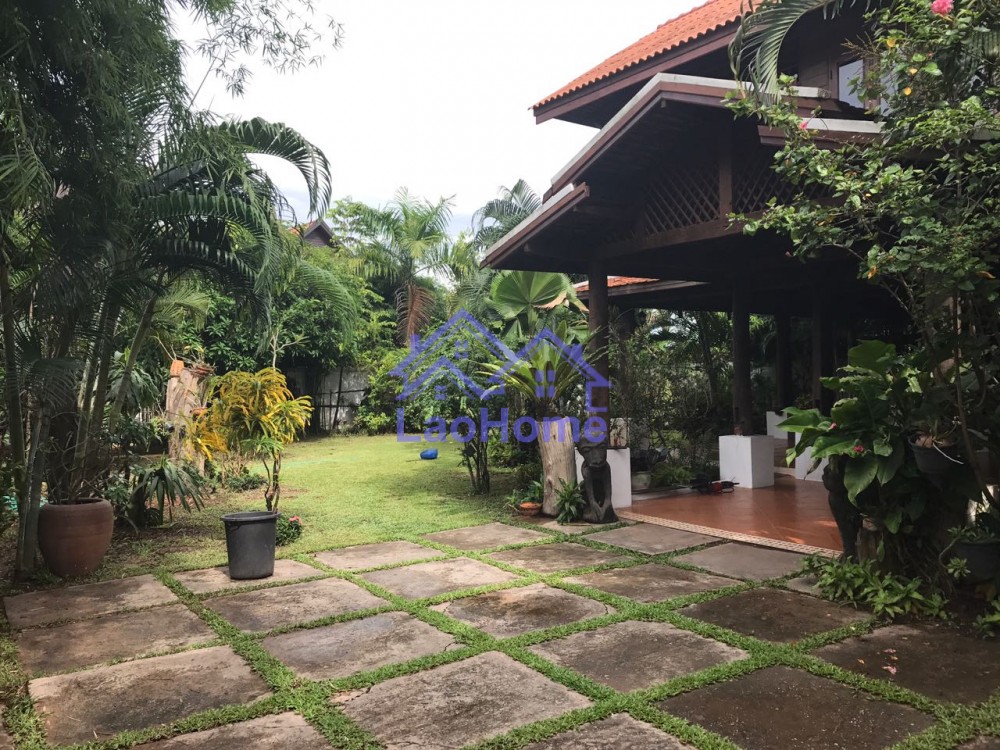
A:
597,483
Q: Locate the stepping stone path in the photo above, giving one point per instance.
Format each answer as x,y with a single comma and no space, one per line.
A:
515,611
458,704
6,742
651,539
773,615
652,583
266,733
88,600
939,661
211,580
266,609
618,731
354,646
432,578
552,558
635,655
551,524
789,709
487,536
745,561
375,555
980,743
101,702
110,638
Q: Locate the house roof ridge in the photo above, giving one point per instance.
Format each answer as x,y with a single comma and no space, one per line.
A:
685,28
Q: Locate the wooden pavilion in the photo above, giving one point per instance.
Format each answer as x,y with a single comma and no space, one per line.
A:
648,198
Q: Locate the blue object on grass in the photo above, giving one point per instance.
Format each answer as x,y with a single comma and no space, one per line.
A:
429,454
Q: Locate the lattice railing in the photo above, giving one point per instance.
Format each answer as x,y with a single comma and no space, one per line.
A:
755,182
679,195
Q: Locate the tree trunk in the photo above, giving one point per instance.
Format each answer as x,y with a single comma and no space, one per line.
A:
558,460
141,332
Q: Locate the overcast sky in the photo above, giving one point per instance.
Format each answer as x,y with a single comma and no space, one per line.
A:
434,95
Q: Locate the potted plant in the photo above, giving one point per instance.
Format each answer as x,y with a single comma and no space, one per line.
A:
977,548
255,416
528,502
642,464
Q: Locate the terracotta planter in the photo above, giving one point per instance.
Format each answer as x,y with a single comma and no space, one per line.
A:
530,509
75,537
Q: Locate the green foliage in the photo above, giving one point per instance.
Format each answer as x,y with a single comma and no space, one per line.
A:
669,474
244,482
532,493
287,530
167,484
570,502
988,623
887,595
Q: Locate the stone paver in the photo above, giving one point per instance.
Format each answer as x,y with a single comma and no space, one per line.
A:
652,582
375,555
745,561
211,580
459,704
515,611
486,536
774,615
6,741
618,731
982,743
346,648
804,585
441,577
634,655
88,600
277,732
789,709
552,524
941,662
257,611
101,702
109,638
652,539
551,558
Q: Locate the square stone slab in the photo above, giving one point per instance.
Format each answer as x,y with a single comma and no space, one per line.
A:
375,555
515,611
346,648
458,704
652,583
217,579
635,655
745,561
486,536
88,600
277,732
804,585
785,708
99,703
551,558
618,731
440,577
109,638
980,743
579,527
652,539
774,615
257,611
941,662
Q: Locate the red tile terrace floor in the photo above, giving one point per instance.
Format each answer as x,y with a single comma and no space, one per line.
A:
792,511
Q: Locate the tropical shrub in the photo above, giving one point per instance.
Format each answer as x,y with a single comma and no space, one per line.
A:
244,482
253,415
166,484
570,502
287,530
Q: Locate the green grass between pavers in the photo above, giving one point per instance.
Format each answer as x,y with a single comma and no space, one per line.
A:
355,491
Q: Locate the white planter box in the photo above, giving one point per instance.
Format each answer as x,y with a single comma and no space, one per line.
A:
747,460
774,418
802,464
620,461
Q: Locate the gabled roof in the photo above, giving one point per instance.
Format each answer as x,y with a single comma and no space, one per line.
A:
685,28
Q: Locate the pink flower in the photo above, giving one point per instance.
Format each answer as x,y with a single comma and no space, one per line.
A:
942,7
859,449
294,519
804,125
833,425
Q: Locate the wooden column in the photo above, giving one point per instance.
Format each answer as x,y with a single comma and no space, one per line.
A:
783,360
597,279
742,390
822,351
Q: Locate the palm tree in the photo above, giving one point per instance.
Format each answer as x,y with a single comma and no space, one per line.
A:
403,245
500,215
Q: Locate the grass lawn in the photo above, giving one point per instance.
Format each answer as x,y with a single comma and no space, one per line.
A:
347,490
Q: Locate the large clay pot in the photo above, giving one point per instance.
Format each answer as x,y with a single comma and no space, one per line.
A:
74,537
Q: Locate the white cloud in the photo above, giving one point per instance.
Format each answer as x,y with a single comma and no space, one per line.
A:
434,95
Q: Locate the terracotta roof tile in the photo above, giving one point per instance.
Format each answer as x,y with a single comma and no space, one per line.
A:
685,28
615,281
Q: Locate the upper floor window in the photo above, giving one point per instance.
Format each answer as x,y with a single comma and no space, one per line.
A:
849,75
